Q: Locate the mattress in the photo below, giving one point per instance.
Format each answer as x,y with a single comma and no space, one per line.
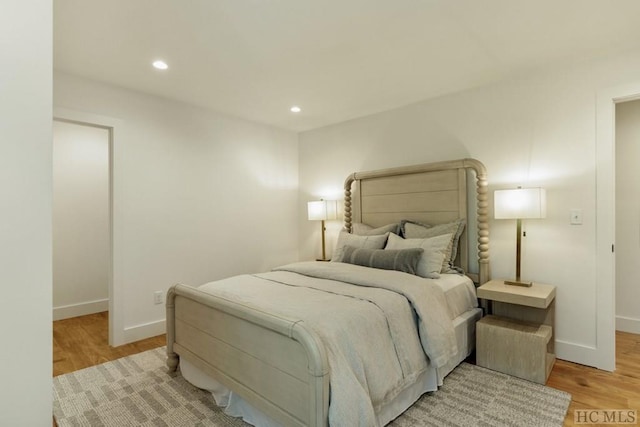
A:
462,303
459,291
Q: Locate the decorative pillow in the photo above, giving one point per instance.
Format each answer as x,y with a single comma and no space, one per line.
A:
405,260
366,230
366,242
416,230
434,252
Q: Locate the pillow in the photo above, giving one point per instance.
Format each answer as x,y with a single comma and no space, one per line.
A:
405,260
366,242
416,230
366,230
434,252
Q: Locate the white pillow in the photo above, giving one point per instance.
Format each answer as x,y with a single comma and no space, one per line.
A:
435,250
365,242
416,230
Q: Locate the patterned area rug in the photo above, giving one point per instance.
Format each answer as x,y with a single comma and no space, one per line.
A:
138,391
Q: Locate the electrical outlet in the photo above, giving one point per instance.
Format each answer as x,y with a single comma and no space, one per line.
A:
158,297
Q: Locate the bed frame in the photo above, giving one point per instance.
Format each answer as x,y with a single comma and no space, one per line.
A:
277,364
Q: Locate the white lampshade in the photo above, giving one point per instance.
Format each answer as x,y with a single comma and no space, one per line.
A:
322,210
520,203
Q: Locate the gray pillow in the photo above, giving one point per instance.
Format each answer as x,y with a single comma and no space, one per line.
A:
435,249
367,242
366,230
405,260
416,230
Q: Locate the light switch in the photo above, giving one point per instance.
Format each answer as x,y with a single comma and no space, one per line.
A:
576,216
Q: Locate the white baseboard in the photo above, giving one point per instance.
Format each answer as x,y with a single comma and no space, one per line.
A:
628,324
146,330
577,353
81,309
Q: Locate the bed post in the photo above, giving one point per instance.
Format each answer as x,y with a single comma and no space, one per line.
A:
172,357
347,201
483,218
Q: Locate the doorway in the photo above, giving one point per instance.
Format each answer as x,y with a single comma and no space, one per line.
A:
81,219
627,219
115,285
607,99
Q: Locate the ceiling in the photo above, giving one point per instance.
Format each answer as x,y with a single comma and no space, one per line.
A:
336,59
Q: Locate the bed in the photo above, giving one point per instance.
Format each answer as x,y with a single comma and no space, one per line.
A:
251,339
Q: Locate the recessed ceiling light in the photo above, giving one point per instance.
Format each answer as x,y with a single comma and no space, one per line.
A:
160,65
295,109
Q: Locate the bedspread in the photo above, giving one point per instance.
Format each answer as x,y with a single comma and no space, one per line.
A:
376,333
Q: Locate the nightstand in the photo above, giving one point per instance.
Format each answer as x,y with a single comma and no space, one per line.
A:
517,337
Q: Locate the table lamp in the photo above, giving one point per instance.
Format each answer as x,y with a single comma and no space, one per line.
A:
519,204
322,210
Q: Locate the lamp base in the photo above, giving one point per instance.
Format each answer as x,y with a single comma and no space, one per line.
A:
518,283
322,259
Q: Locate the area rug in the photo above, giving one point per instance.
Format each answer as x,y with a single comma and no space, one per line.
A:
138,391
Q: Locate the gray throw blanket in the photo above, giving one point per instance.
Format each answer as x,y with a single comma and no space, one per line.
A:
376,333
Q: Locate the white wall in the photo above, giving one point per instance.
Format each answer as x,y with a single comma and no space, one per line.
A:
536,129
627,216
81,246
25,212
198,196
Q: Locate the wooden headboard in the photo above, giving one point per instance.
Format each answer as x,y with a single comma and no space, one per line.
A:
432,193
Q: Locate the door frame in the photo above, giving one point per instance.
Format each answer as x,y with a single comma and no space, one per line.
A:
606,217
116,321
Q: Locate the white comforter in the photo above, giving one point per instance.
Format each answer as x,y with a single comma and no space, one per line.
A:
376,333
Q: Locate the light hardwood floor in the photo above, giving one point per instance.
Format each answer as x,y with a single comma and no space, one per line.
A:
591,388
82,342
